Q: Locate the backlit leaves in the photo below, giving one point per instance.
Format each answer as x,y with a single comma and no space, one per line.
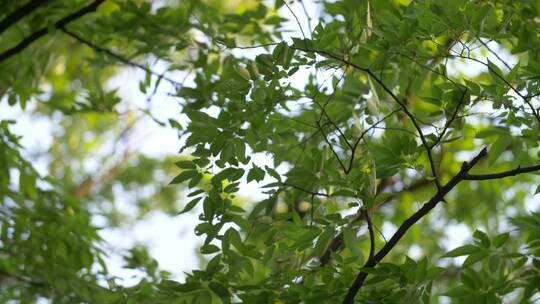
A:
324,109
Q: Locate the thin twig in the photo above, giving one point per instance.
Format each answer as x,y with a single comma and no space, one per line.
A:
331,146
295,17
308,17
526,99
355,145
504,174
494,53
304,190
389,92
120,58
449,122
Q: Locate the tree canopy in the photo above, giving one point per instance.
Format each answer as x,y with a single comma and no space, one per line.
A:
395,144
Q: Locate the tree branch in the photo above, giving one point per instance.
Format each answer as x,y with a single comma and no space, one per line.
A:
332,148
337,241
371,234
389,92
504,174
22,279
43,31
381,83
408,223
355,145
119,57
305,190
20,13
449,122
526,98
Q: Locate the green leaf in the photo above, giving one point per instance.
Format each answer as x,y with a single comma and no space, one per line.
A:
202,118
243,72
258,94
183,176
232,174
204,297
219,289
278,51
482,237
513,73
195,180
142,87
273,173
495,72
463,250
323,240
352,242
498,148
421,270
382,198
256,174
494,263
209,249
185,164
268,254
213,265
190,205
458,292
475,257
227,153
500,239
373,102
187,287
286,57
27,184
343,192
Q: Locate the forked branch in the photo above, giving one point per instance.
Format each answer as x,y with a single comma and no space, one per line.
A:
408,223
462,175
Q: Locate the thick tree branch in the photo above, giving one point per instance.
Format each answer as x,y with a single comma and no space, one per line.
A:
43,31
20,13
408,223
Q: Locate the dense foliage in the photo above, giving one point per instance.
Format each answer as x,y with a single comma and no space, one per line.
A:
378,131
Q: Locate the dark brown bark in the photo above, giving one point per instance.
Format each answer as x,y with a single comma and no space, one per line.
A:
43,31
20,13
